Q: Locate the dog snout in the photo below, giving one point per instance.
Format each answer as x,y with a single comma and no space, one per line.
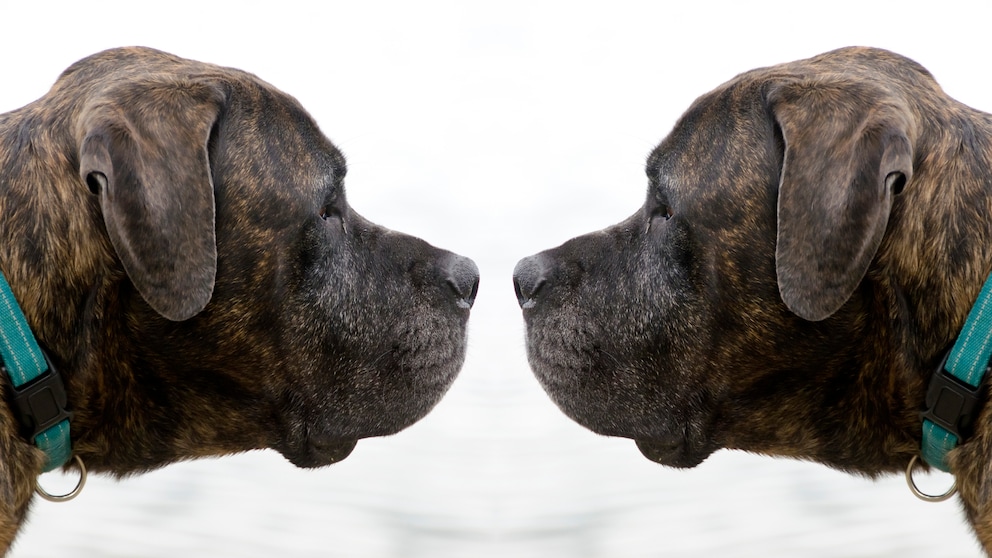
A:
528,278
463,278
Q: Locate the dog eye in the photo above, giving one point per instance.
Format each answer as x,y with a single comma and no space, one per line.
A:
661,211
331,207
329,211
664,211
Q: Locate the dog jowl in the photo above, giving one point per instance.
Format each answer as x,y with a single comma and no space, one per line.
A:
179,239
813,238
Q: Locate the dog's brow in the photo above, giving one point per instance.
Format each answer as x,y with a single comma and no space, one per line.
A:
336,171
652,167
656,160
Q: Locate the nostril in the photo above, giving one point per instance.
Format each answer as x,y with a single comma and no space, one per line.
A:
528,278
463,278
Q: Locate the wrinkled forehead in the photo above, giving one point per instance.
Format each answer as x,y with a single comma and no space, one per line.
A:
266,136
723,133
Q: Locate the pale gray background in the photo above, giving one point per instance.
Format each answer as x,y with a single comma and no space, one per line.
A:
495,130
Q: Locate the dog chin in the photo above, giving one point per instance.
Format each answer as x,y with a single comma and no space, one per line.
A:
321,453
671,452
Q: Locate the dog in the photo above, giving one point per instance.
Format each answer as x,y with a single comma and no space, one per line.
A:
814,235
178,238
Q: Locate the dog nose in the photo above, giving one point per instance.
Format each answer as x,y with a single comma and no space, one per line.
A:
528,278
463,278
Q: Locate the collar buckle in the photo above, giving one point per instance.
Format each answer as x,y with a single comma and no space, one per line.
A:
952,403
40,403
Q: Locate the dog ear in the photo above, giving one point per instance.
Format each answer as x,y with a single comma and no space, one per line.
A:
144,151
847,153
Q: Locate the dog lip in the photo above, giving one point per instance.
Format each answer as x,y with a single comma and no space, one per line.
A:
321,452
671,451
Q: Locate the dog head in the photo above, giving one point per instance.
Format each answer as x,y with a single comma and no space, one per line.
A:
240,302
753,302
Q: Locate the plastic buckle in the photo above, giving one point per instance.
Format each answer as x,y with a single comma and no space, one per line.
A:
40,403
952,403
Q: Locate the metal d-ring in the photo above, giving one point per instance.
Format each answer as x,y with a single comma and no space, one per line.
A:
922,495
75,491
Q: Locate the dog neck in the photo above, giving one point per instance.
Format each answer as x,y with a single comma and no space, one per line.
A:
78,302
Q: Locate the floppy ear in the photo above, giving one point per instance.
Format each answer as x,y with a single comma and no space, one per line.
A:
847,152
143,150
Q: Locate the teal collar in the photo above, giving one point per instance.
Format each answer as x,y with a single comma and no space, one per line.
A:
39,398
954,397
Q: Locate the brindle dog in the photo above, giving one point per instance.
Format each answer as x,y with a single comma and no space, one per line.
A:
178,237
814,236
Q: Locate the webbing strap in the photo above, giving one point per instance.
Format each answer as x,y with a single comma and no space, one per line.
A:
23,362
937,442
968,362
56,444
21,353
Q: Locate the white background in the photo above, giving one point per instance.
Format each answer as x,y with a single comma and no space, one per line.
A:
495,130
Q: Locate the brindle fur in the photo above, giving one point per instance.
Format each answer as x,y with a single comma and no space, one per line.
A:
829,232
178,237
